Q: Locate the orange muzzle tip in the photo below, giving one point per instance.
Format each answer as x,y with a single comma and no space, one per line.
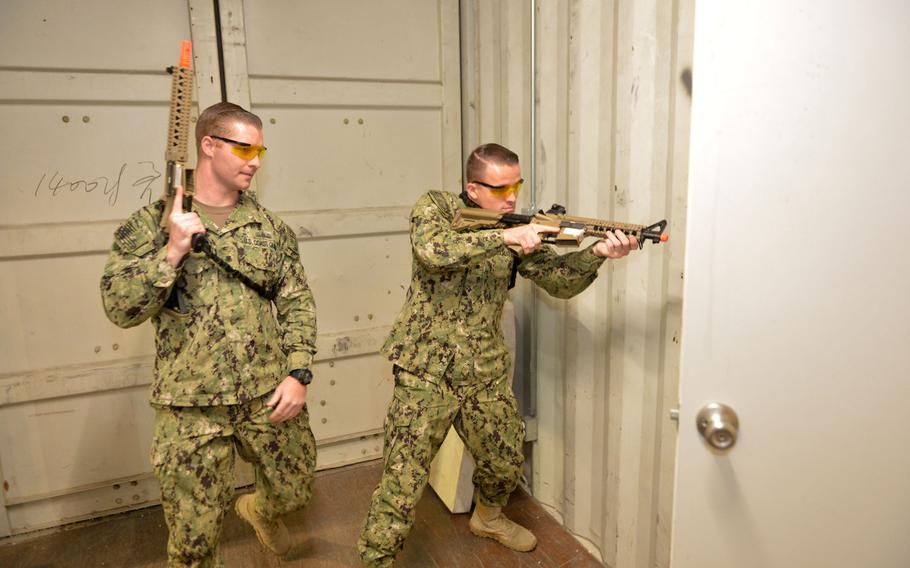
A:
186,54
664,238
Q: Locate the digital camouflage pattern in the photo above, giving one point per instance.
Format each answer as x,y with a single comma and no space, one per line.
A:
450,323
221,350
452,364
223,345
193,458
423,407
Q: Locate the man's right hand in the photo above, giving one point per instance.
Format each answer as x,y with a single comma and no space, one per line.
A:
527,236
183,227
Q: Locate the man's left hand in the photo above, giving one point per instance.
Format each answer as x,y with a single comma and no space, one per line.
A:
616,245
287,401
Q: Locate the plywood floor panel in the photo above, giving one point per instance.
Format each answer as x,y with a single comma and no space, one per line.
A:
324,534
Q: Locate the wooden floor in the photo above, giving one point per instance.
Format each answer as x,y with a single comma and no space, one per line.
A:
324,534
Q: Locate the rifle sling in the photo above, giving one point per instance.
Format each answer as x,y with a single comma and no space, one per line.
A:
203,245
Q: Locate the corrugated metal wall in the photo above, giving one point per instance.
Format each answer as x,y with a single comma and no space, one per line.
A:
612,142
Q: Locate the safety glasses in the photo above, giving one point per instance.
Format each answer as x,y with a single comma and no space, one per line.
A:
242,149
502,191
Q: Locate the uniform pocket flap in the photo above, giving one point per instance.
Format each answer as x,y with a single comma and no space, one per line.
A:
259,257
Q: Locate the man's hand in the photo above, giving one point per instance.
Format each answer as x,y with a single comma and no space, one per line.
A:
183,227
527,236
287,400
615,245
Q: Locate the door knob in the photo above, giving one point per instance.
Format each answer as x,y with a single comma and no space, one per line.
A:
718,425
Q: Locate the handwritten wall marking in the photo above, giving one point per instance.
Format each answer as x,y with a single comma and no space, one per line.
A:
138,176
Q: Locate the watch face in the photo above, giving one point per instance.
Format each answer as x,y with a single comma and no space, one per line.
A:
304,376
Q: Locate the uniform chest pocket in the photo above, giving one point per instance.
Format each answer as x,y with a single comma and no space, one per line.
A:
264,258
259,261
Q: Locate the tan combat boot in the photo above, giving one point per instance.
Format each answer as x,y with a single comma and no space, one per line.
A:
272,534
491,523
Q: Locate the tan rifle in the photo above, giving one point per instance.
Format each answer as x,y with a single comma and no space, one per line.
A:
572,230
176,151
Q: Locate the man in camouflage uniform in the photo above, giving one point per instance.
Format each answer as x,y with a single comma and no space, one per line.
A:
450,361
232,363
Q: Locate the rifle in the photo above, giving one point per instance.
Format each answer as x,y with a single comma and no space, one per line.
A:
572,230
176,155
178,134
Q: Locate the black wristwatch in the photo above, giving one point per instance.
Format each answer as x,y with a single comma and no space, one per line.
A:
303,376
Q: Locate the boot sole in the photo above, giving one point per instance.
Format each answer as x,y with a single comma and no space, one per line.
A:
495,537
242,514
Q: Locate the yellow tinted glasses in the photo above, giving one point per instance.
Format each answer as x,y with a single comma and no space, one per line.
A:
242,149
502,191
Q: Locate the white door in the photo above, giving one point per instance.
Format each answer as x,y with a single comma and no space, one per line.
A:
797,279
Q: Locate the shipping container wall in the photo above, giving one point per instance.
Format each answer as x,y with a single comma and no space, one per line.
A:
84,102
611,141
361,110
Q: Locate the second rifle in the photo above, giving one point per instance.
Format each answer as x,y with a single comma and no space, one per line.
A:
572,229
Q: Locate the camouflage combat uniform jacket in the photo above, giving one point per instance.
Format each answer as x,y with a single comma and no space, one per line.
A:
225,344
450,323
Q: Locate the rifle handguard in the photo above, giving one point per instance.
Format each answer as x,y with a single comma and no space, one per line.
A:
176,151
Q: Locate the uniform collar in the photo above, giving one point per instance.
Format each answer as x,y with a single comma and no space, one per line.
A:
467,200
246,212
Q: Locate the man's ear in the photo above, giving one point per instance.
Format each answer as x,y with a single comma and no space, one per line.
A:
207,146
472,191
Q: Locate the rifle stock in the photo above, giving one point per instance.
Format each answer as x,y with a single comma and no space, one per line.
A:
572,230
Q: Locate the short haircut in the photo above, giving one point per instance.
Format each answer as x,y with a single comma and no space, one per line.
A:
218,119
487,154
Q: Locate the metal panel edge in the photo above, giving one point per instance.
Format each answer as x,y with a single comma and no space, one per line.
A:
95,237
71,380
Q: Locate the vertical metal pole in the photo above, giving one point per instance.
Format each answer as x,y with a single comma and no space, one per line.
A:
219,43
528,303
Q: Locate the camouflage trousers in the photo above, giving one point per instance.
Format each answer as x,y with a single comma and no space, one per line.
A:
193,458
422,409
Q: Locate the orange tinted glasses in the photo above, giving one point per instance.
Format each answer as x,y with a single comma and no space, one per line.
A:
502,190
242,149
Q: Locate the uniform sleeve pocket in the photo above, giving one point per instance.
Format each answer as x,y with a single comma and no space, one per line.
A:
142,249
501,266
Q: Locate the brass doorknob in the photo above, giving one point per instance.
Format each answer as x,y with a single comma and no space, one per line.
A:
718,425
